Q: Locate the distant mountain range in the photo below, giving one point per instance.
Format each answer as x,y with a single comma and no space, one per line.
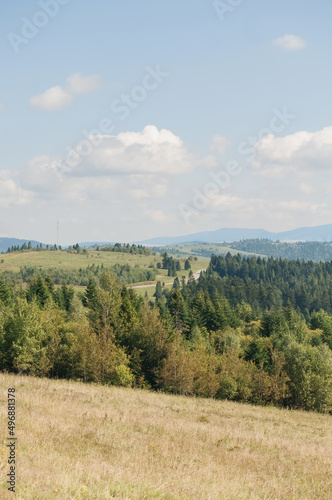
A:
317,233
88,244
6,243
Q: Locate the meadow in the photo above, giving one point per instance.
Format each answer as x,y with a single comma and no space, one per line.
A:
202,250
74,261
80,441
66,260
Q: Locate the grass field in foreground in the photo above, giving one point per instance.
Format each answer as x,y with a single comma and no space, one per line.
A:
80,441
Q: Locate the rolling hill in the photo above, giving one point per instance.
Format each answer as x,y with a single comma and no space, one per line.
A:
318,233
6,243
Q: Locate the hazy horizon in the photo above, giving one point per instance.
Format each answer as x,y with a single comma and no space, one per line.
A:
327,237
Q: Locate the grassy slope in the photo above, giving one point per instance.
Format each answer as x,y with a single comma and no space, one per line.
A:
80,441
46,260
13,262
217,248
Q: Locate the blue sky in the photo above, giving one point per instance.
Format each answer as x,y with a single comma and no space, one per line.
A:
153,172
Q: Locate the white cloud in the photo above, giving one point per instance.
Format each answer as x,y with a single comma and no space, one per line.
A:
141,175
150,151
38,175
306,188
159,190
290,42
137,194
157,215
236,204
303,153
132,166
10,193
93,189
150,191
304,207
78,84
146,159
58,97
52,99
208,161
239,210
220,144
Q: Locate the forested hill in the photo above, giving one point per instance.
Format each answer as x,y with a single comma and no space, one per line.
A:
249,329
311,250
268,283
6,243
314,251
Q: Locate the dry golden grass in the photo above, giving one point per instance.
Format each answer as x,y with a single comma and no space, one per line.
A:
80,441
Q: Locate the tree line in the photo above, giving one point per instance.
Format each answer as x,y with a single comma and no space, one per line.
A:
126,248
309,250
125,273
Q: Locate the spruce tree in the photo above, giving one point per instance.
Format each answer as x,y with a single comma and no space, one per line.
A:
5,295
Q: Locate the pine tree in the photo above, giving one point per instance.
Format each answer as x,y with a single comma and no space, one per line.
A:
159,291
5,295
90,294
176,284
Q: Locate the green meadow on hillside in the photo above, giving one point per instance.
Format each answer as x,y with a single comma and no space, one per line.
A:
52,260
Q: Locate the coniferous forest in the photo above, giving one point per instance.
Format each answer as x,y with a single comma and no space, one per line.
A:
249,330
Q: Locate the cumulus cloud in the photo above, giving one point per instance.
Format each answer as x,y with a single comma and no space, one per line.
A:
304,207
306,188
236,204
157,191
52,99
290,42
219,144
144,177
137,194
303,153
137,166
157,215
58,97
10,192
150,151
240,209
78,84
